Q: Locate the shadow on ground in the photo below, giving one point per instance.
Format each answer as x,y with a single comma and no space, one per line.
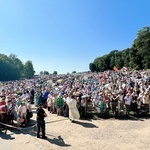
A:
124,117
31,130
6,136
85,124
58,141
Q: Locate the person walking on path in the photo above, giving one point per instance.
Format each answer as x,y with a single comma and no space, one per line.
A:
40,121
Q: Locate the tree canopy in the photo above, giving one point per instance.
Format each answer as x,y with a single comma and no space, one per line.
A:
136,57
12,68
55,73
28,69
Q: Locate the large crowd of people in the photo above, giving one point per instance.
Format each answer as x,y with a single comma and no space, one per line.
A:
120,93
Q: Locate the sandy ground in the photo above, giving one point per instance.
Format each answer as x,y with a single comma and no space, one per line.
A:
82,135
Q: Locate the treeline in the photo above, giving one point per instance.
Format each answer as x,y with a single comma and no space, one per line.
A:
137,57
12,68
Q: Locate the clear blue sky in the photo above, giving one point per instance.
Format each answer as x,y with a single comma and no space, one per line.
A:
67,35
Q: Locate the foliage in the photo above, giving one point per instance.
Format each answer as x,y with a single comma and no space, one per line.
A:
46,73
41,73
18,63
142,45
12,68
73,72
55,73
136,57
92,67
28,69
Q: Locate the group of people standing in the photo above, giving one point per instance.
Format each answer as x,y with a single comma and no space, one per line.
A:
14,107
71,106
108,92
117,93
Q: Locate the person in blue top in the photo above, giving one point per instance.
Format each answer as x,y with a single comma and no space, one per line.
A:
45,98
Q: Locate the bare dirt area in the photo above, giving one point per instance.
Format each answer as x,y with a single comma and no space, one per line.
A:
102,134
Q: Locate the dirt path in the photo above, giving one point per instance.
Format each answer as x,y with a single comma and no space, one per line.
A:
82,135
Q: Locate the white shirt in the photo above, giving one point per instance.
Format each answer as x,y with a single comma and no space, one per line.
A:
22,110
127,100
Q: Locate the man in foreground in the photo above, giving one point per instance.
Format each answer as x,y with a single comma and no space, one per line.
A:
40,121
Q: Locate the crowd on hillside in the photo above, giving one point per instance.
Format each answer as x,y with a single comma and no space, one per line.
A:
113,92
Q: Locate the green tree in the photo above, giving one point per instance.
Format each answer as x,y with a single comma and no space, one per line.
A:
142,45
46,73
28,69
17,63
73,72
112,58
135,59
92,67
118,60
41,73
8,71
55,73
126,57
12,68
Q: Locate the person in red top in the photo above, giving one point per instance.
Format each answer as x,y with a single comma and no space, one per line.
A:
2,104
2,100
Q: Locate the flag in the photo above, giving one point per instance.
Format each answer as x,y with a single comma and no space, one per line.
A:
116,69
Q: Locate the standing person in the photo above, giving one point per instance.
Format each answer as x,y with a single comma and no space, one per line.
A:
73,111
127,100
32,96
65,106
40,121
114,104
22,112
46,93
146,101
59,103
49,103
39,95
29,110
120,104
106,103
54,106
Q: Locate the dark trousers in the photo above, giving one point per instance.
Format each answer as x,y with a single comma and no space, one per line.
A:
114,107
41,126
127,109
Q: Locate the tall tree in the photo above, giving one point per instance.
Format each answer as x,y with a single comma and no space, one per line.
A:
17,63
55,73
142,45
73,72
41,73
126,57
8,71
92,67
136,57
118,60
46,73
28,69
